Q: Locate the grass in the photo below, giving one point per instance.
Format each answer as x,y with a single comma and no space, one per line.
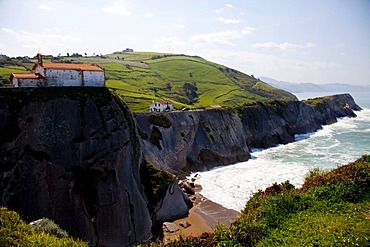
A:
316,102
15,232
141,77
331,209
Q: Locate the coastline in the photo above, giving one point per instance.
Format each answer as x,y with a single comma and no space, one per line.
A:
203,217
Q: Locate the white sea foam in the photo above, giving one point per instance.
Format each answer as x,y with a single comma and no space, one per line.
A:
334,145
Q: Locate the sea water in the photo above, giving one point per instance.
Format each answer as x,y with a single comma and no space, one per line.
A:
334,145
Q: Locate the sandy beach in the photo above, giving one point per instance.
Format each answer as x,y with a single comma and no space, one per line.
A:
203,217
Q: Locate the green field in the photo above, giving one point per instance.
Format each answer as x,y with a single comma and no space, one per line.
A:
188,81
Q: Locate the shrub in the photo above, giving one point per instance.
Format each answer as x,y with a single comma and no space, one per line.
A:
159,120
15,232
48,226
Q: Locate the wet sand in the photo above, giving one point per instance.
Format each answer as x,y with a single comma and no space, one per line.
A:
203,217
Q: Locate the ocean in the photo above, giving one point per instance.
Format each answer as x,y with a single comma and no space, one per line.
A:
334,145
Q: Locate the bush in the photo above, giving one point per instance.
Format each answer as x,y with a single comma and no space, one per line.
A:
15,232
48,226
159,120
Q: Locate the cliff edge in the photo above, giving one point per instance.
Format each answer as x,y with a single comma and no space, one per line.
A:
180,142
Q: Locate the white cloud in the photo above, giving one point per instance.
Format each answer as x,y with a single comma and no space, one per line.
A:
340,45
118,8
9,31
148,15
180,26
228,21
221,38
220,10
283,46
169,42
45,7
2,46
131,38
261,64
42,41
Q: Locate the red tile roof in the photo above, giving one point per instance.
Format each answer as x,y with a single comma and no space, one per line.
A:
72,66
25,76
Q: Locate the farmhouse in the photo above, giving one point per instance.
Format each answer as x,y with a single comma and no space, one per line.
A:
60,75
161,106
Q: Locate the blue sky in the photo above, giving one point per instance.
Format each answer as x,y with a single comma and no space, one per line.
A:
296,41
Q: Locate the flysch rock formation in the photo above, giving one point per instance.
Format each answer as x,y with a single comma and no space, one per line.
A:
73,155
200,140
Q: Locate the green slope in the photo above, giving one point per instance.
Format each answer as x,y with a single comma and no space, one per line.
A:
188,81
331,209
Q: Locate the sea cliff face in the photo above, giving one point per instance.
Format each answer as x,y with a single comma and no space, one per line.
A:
77,155
73,156
199,140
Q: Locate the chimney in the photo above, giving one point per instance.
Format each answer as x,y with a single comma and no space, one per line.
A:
39,59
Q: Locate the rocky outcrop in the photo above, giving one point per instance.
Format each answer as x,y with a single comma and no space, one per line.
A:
73,156
174,205
198,140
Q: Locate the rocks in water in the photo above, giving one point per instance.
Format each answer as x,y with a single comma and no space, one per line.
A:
187,187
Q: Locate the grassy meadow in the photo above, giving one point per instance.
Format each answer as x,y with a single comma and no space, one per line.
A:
188,81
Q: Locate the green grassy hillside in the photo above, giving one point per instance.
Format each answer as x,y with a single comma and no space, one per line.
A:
188,81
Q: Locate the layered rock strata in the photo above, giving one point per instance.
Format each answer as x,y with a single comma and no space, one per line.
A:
180,142
73,155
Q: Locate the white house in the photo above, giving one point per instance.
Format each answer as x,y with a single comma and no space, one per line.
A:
60,75
161,106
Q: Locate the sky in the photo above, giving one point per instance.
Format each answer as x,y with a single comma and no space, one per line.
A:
296,41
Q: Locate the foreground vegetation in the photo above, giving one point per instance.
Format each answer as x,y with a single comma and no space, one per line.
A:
15,232
331,209
188,81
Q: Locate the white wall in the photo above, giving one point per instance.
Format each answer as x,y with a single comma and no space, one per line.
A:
158,107
63,78
93,78
19,82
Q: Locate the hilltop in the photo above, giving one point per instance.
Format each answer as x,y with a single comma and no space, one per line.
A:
188,81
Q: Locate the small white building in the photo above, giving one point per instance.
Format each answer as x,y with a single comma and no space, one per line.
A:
61,75
161,106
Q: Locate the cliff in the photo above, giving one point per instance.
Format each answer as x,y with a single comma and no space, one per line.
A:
181,142
73,155
77,155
